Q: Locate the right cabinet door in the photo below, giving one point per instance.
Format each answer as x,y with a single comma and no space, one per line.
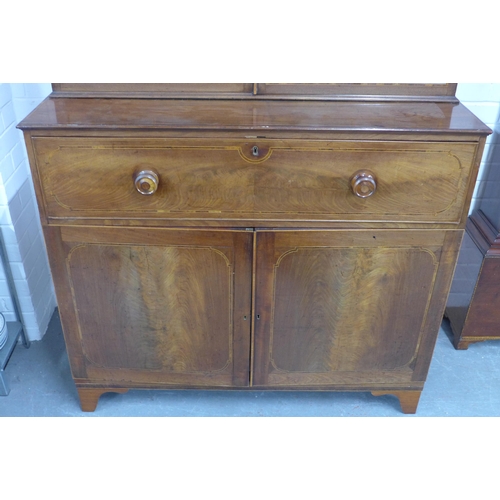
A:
349,309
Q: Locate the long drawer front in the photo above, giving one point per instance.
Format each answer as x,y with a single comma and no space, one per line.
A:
276,180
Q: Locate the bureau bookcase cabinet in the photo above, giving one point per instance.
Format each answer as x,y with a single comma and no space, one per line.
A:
252,236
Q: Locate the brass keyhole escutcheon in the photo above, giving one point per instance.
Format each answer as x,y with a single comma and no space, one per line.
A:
255,150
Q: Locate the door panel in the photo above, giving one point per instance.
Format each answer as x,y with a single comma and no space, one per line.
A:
161,306
345,307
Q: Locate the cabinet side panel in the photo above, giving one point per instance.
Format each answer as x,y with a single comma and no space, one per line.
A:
57,251
469,264
441,289
35,175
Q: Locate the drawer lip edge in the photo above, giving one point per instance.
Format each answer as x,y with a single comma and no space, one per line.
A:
267,128
243,223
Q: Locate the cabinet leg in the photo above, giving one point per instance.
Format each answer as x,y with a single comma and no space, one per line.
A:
89,396
407,399
460,345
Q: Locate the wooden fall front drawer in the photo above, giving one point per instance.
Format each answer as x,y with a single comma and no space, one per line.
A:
255,179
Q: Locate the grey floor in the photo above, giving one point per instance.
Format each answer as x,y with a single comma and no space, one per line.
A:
460,383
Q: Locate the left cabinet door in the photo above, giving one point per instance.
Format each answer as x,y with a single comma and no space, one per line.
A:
154,307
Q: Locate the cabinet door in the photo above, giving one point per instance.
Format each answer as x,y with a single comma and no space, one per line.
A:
154,306
353,309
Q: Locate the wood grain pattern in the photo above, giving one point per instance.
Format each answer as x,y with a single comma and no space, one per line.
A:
328,320
169,307
95,178
178,319
330,314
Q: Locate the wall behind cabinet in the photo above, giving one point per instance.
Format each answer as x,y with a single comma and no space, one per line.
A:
483,99
19,220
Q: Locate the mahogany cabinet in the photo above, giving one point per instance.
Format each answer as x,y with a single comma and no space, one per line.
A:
286,239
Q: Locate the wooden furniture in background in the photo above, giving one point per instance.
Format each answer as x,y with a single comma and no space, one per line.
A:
259,242
473,307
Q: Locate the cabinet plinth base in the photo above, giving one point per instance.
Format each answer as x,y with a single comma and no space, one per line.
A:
89,396
407,399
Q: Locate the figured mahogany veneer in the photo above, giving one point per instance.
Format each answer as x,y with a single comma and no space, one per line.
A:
287,180
252,243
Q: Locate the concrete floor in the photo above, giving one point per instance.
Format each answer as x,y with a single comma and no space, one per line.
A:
460,383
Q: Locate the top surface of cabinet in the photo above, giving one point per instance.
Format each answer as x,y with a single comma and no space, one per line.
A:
260,116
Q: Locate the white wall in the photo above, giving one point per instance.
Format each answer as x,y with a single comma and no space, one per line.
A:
19,221
483,99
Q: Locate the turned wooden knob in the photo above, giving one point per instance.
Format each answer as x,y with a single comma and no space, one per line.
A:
363,183
146,181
